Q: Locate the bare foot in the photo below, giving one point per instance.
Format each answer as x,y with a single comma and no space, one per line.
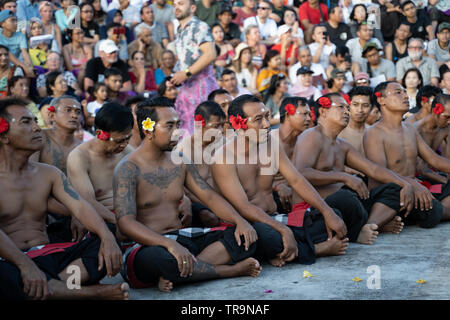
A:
164,285
393,226
248,267
333,247
114,291
368,234
277,262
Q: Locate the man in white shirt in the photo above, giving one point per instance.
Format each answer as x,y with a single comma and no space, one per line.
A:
322,50
356,45
267,27
229,83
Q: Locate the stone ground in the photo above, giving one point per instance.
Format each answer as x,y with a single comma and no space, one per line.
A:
402,259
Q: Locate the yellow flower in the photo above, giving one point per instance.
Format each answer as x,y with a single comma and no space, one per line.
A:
306,274
148,124
356,279
421,281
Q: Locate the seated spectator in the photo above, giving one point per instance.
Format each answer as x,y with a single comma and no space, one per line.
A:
356,45
27,9
438,49
49,27
18,88
113,82
88,25
117,33
15,41
287,45
76,53
427,66
272,65
164,14
305,60
96,67
116,17
253,40
7,71
445,81
344,62
246,73
338,31
397,49
158,30
226,52
438,11
56,85
229,83
130,13
311,13
362,79
267,27
142,78
336,83
412,81
168,89
54,63
99,14
390,17
246,11
100,93
145,43
274,95
278,10
290,19
207,10
38,50
322,50
166,68
46,114
303,86
418,20
223,99
8,5
64,15
232,32
375,66
359,16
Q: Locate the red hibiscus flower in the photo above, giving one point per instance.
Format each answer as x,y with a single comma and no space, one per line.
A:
290,109
347,99
378,94
238,122
103,135
424,99
200,118
51,109
4,126
325,102
313,115
438,109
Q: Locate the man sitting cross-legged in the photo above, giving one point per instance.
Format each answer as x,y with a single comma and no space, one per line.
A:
90,166
148,186
394,144
244,176
29,266
320,156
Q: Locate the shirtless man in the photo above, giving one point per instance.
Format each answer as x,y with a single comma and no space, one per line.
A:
26,269
249,189
320,156
396,145
131,103
90,166
147,187
223,98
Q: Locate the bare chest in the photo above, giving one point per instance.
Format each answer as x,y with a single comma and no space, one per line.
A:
56,154
401,152
331,157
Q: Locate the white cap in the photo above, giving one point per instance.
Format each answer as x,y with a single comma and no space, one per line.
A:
108,46
283,29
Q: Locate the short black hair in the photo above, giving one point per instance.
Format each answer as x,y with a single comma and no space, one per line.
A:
147,109
216,92
7,102
227,72
163,87
332,8
3,2
296,101
209,108
381,87
135,99
237,105
112,25
113,117
12,81
269,55
352,14
406,3
427,91
112,72
50,81
362,91
4,47
342,51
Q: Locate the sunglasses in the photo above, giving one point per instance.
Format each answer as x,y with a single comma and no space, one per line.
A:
120,30
263,8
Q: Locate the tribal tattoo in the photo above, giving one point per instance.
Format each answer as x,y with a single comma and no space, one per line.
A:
161,177
192,170
124,188
68,187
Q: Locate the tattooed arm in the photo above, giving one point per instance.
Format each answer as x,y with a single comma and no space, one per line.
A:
125,182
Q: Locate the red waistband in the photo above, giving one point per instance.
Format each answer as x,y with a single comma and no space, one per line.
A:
49,249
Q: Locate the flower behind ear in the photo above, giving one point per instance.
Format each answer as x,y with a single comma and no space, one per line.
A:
148,124
200,118
51,109
290,109
4,126
324,102
238,122
378,94
438,109
103,135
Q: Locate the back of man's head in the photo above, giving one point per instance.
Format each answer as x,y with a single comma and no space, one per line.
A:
426,92
209,108
215,93
112,72
113,117
295,101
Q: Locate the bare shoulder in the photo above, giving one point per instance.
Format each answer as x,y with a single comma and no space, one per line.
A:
311,135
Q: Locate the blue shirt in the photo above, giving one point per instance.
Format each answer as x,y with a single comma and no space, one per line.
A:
27,10
15,43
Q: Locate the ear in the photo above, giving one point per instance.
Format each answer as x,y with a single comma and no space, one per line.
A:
4,138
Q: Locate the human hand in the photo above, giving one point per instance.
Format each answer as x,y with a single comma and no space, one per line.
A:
185,210
184,258
246,230
285,194
407,199
290,249
357,185
34,281
178,78
110,256
78,230
334,223
422,197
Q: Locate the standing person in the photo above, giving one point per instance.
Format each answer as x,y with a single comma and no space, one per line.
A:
311,13
194,71
46,12
168,61
397,49
338,31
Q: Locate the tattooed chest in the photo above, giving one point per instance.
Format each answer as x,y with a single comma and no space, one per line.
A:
162,178
55,155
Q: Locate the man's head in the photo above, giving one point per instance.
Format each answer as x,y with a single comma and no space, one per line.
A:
144,34
337,79
445,80
409,9
295,112
8,5
67,113
114,31
333,110
158,122
113,79
222,98
131,104
304,56
415,49
147,15
18,126
343,57
443,33
441,109
116,121
335,14
4,56
391,97
54,61
255,114
229,80
372,53
184,9
108,52
8,20
426,95
225,15
403,31
362,79
318,32
264,9
212,117
364,31
360,104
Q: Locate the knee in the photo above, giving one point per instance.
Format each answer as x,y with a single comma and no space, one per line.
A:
269,242
11,287
155,257
433,216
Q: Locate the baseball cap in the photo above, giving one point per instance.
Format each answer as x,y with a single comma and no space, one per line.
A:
336,72
368,46
361,76
5,14
304,70
443,25
226,8
108,46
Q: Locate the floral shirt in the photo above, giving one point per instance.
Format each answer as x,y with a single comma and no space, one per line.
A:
188,42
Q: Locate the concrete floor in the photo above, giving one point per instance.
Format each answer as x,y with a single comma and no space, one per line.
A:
402,260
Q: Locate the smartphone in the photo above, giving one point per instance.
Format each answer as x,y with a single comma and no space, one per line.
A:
325,35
